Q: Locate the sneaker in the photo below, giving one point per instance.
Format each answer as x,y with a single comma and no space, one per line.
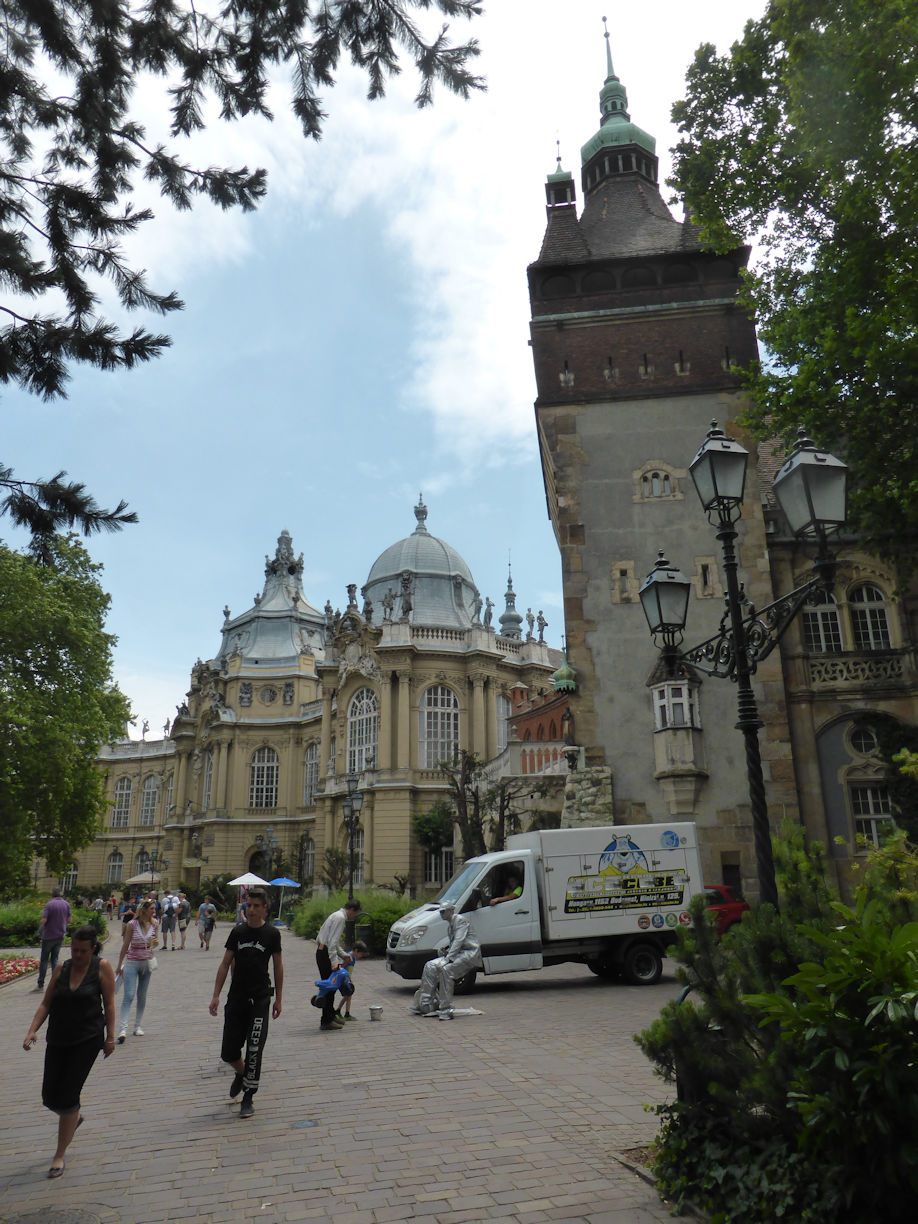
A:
122,1036
138,1032
235,1086
246,1109
347,1017
330,1027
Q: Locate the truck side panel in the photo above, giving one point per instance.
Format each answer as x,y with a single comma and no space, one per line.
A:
618,881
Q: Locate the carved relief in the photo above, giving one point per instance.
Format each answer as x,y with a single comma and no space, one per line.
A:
245,693
288,692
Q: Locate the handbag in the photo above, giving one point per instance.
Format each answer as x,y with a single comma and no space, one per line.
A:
153,963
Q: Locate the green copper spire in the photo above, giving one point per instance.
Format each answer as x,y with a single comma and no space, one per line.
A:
616,128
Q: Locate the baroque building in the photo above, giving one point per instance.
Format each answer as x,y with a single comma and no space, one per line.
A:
637,335
295,700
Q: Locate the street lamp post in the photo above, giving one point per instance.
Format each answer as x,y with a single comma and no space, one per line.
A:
811,491
153,860
350,809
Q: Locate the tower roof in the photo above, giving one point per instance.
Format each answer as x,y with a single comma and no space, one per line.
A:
282,623
615,127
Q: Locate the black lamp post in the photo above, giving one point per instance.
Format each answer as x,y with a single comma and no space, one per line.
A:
811,490
153,860
350,809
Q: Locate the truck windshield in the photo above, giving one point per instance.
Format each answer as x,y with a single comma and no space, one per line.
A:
455,888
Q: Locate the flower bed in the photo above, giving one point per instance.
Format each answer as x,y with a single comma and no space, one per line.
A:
12,967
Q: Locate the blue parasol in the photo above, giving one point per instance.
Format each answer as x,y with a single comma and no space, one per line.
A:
283,882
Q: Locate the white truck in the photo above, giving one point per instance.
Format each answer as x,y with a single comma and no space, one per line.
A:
611,898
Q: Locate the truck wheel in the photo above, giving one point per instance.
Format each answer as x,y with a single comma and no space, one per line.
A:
604,967
466,984
643,965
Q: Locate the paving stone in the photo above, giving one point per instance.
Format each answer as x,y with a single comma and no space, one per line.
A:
490,1120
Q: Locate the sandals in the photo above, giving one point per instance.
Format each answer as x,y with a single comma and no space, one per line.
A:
54,1171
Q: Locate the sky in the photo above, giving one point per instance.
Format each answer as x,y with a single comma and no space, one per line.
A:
360,339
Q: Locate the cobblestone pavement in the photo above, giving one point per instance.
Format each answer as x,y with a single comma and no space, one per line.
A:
515,1115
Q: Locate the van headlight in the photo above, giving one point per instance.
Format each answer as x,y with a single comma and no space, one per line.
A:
412,936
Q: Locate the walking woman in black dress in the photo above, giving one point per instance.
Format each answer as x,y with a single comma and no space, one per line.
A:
79,1005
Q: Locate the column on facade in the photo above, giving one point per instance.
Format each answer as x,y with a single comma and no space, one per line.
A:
477,738
404,721
221,750
325,741
181,781
295,767
384,744
491,708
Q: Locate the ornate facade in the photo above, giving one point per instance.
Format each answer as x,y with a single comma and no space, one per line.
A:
296,700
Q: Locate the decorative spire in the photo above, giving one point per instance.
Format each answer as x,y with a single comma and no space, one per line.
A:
564,680
613,98
510,619
420,513
610,71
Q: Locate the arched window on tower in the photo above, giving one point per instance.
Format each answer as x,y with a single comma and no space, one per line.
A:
362,730
438,732
263,777
869,619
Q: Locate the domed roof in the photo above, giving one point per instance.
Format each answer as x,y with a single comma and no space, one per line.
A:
428,574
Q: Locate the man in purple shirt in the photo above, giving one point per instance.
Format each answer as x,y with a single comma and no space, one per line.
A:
53,929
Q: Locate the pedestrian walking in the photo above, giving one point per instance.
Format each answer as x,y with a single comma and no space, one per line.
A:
169,919
135,966
250,947
79,1005
184,916
53,924
207,920
330,955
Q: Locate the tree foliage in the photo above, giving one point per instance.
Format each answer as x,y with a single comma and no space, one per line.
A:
803,138
797,1023
58,703
72,145
48,507
486,811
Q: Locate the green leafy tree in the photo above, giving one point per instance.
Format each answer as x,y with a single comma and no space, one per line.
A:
433,829
58,703
72,147
334,870
804,137
485,811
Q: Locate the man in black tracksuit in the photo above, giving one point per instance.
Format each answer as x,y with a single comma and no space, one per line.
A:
249,948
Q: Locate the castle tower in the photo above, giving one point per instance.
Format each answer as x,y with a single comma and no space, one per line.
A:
636,331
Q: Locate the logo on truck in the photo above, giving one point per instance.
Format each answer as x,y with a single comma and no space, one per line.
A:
626,881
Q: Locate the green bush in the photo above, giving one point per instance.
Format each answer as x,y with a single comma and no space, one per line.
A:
793,1055
19,923
381,908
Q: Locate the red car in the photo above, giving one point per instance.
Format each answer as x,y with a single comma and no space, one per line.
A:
726,907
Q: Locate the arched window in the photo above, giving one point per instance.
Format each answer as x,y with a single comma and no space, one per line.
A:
332,755
115,872
362,730
170,802
869,622
656,484
438,732
821,628
148,799
307,859
311,775
142,866
122,806
263,779
503,729
68,880
208,782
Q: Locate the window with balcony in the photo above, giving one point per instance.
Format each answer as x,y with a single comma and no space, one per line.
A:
362,730
869,619
675,705
121,809
821,627
438,738
263,778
